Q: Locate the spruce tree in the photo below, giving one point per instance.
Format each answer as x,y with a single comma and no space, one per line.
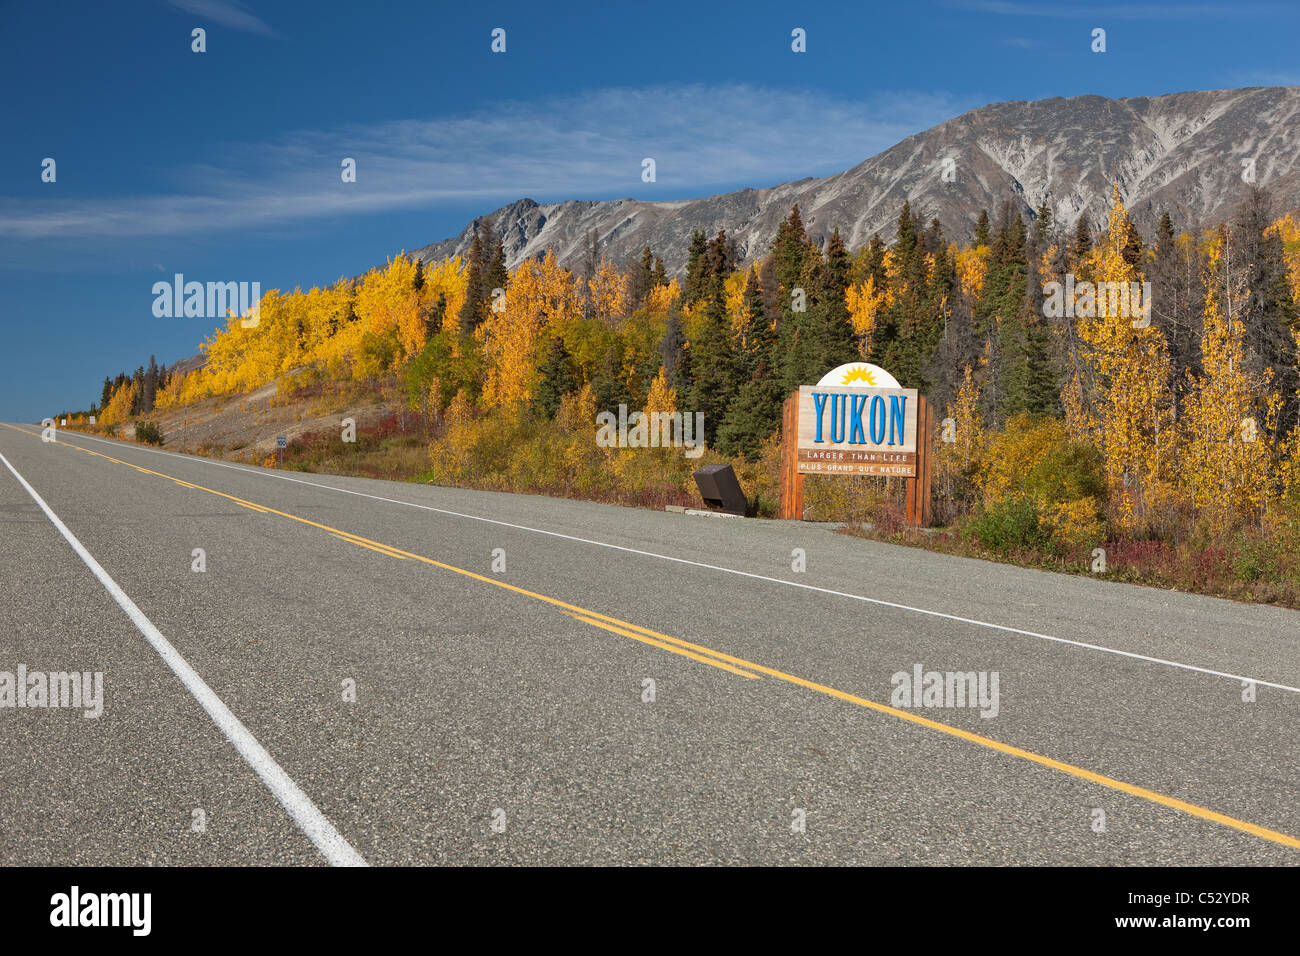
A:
557,379
660,274
1082,239
471,311
1043,225
697,269
712,367
674,355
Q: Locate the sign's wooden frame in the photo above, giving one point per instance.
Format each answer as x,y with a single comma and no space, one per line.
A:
918,488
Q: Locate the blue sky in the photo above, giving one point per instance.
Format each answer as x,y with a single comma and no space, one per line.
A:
225,165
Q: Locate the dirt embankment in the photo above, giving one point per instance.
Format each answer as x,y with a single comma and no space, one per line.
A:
244,427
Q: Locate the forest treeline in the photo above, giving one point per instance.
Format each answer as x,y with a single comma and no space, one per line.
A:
1062,429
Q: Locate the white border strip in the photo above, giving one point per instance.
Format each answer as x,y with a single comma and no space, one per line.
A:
713,567
305,813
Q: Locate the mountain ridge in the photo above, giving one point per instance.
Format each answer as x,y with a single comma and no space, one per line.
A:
1179,152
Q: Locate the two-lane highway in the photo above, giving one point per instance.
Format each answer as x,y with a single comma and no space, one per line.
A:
408,674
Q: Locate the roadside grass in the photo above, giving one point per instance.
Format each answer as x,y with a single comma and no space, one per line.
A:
1250,565
396,448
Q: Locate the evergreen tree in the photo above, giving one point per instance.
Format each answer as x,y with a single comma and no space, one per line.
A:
495,276
1044,228
471,312
660,275
435,316
557,379
712,368
721,255
909,331
150,385
982,228
756,338
608,384
1005,316
755,412
791,249
1082,239
697,269
137,403
674,355
641,278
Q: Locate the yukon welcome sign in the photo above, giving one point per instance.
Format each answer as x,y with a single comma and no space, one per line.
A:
856,421
857,431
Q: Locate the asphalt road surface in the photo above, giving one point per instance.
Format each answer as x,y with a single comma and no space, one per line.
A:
383,673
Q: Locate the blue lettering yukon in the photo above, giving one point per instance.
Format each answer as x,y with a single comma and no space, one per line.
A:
819,406
856,435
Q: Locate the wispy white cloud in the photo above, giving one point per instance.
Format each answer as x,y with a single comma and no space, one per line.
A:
588,145
229,13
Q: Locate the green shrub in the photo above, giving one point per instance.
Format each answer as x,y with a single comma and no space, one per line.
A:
1256,559
149,432
1011,525
1068,471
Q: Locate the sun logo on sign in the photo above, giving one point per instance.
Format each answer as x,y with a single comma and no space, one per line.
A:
858,373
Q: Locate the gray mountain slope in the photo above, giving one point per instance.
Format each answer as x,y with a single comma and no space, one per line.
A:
1182,153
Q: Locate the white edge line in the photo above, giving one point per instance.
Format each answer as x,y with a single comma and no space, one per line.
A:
713,567
300,807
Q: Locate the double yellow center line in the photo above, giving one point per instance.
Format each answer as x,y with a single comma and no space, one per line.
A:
739,666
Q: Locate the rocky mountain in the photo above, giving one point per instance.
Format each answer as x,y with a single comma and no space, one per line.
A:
1183,153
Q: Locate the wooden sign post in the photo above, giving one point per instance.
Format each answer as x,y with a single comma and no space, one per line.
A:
856,431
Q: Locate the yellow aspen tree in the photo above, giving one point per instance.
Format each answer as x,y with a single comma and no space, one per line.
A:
1228,411
662,396
961,442
447,281
662,297
972,265
118,408
543,298
387,301
895,281
864,303
609,292
1288,230
733,298
1133,410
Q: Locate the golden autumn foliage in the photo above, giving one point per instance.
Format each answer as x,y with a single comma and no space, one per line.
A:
972,266
118,409
960,448
1288,230
387,301
865,304
1129,416
733,298
662,396
543,298
608,291
1228,412
445,286
663,297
